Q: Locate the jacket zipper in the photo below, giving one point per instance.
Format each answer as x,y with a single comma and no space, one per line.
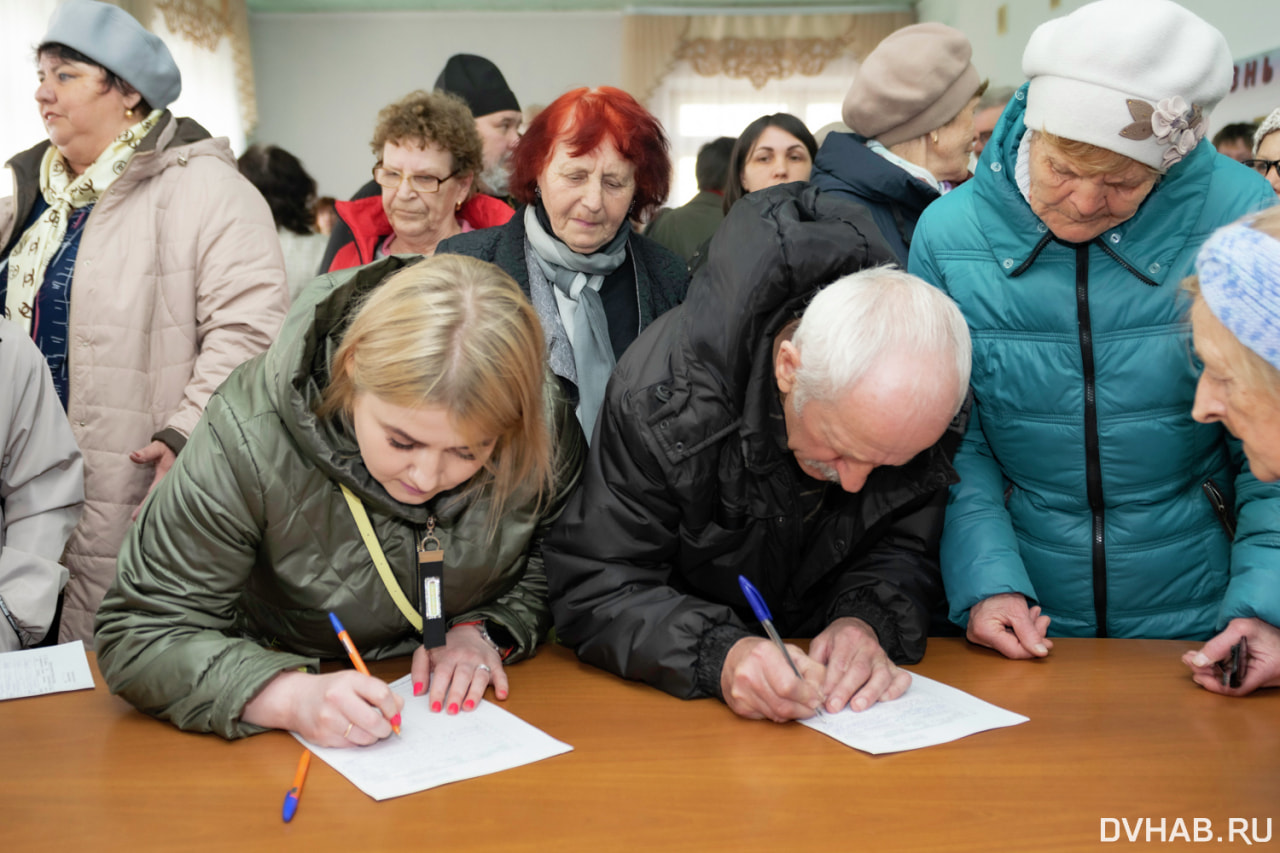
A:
1093,463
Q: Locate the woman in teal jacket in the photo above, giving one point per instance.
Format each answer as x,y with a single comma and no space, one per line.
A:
404,415
1090,503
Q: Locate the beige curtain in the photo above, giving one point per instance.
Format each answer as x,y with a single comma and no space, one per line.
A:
204,23
755,47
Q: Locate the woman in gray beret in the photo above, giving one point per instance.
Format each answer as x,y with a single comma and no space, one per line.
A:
142,264
911,109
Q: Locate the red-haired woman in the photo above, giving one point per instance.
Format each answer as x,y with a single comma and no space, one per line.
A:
590,160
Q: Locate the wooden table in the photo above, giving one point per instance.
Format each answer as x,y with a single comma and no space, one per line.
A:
1117,730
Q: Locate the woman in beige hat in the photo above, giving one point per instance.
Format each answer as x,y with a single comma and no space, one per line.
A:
911,110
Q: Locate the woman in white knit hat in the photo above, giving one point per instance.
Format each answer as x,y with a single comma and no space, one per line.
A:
141,263
911,109
1090,503
1235,316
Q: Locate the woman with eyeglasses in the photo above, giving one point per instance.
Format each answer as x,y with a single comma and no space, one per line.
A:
428,154
1266,150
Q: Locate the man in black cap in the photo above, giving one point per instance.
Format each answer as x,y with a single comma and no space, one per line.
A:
497,113
479,82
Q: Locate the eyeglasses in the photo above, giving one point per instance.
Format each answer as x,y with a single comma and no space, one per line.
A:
1263,166
391,179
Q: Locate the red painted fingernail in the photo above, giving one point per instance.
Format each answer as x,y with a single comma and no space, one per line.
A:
435,707
418,687
468,705
453,707
395,721
502,694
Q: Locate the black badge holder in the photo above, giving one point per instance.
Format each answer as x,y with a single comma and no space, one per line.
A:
430,588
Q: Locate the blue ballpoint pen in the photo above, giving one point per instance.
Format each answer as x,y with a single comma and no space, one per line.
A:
766,619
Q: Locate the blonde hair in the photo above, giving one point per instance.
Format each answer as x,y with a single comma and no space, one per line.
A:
1246,365
1091,160
457,333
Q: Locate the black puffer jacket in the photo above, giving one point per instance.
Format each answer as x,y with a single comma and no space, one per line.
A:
688,485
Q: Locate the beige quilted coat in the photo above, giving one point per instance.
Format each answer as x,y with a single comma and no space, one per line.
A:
178,280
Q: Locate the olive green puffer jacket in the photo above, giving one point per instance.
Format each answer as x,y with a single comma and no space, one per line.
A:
236,559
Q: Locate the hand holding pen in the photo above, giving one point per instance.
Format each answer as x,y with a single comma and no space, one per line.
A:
761,679
358,663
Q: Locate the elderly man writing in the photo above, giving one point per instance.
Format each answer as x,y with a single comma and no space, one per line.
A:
796,434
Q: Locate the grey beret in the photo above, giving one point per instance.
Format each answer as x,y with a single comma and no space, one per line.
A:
915,81
115,40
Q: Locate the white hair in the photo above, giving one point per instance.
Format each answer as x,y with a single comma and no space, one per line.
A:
877,313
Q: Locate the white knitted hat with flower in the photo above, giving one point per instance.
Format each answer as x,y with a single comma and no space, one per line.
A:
1137,77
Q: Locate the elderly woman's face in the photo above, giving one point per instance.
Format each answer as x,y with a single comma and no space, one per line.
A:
776,158
948,157
420,217
81,114
1078,207
1251,414
587,197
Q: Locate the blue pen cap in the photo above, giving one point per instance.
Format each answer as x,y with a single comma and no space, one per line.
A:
290,805
755,599
337,624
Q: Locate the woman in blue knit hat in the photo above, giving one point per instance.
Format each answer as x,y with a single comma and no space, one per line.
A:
1235,317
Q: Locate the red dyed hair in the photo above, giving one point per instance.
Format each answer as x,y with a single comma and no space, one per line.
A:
582,119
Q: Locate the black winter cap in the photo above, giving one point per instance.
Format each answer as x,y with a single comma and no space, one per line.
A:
478,82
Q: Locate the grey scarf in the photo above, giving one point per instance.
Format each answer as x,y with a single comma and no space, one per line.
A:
578,278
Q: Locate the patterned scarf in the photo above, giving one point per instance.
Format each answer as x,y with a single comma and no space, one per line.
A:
30,258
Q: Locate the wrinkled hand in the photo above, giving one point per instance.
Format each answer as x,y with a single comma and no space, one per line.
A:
1263,660
159,454
859,673
339,709
757,683
454,672
1005,623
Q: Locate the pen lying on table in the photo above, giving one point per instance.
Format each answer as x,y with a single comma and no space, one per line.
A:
291,798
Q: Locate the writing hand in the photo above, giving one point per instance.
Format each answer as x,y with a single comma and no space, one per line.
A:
1005,623
1263,668
859,673
459,672
338,709
757,683
162,456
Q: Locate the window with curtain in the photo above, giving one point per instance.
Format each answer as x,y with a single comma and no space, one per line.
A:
695,109
711,75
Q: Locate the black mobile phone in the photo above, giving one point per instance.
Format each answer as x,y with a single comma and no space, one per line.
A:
1232,668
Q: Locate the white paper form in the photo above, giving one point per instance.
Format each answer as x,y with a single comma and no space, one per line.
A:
435,749
35,672
929,713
